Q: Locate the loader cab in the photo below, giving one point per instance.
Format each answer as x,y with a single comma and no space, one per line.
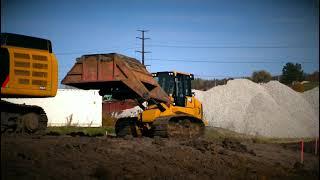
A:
176,85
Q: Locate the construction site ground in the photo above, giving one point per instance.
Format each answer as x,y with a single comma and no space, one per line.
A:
77,156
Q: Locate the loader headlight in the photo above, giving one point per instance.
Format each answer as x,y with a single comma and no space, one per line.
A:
189,99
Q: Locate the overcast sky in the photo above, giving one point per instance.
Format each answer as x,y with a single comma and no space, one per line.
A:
215,38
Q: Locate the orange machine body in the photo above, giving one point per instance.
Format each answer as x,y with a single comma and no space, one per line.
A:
27,71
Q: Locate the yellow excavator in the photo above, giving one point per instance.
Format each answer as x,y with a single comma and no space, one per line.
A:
169,107
28,69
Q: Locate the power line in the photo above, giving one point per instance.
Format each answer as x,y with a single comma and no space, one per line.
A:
228,62
89,51
262,61
178,46
215,76
221,76
231,47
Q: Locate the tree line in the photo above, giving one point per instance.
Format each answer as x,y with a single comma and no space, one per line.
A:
292,75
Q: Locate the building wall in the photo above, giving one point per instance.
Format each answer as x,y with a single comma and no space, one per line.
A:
81,107
109,107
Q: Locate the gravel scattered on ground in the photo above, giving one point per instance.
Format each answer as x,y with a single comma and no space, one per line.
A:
132,112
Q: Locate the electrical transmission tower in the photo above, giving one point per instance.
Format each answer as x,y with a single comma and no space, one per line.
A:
142,39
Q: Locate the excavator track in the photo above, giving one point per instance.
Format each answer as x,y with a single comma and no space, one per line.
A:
178,127
126,126
21,118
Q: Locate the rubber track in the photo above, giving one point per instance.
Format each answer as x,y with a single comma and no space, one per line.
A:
165,127
126,126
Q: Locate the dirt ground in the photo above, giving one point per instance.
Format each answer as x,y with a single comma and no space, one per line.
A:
67,157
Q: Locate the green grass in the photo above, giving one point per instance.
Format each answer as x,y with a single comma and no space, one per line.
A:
89,131
310,85
220,134
211,133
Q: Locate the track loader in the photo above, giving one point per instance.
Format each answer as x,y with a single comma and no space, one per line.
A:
169,107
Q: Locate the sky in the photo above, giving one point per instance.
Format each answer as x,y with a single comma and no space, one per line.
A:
209,38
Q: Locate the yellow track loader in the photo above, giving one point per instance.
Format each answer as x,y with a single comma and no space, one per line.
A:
169,107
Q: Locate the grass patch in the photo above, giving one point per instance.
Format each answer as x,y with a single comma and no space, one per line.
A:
310,85
88,131
214,133
108,120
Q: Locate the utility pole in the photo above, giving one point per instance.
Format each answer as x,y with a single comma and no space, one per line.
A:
142,39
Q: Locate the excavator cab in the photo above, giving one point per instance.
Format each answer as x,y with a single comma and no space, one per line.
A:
175,84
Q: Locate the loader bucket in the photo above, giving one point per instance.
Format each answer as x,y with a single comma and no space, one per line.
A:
121,76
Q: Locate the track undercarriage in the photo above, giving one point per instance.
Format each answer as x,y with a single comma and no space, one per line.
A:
21,118
166,127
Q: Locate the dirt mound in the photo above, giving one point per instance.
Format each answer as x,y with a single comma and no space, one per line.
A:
66,157
309,146
272,109
234,145
201,145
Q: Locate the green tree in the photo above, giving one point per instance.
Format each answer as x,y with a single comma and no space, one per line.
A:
291,72
313,77
261,76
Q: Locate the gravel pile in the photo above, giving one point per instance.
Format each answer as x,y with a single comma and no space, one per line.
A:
312,96
272,109
132,112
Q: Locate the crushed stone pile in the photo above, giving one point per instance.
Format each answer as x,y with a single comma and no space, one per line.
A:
132,112
271,110
312,96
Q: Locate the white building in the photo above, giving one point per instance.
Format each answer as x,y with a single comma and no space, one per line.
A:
69,107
